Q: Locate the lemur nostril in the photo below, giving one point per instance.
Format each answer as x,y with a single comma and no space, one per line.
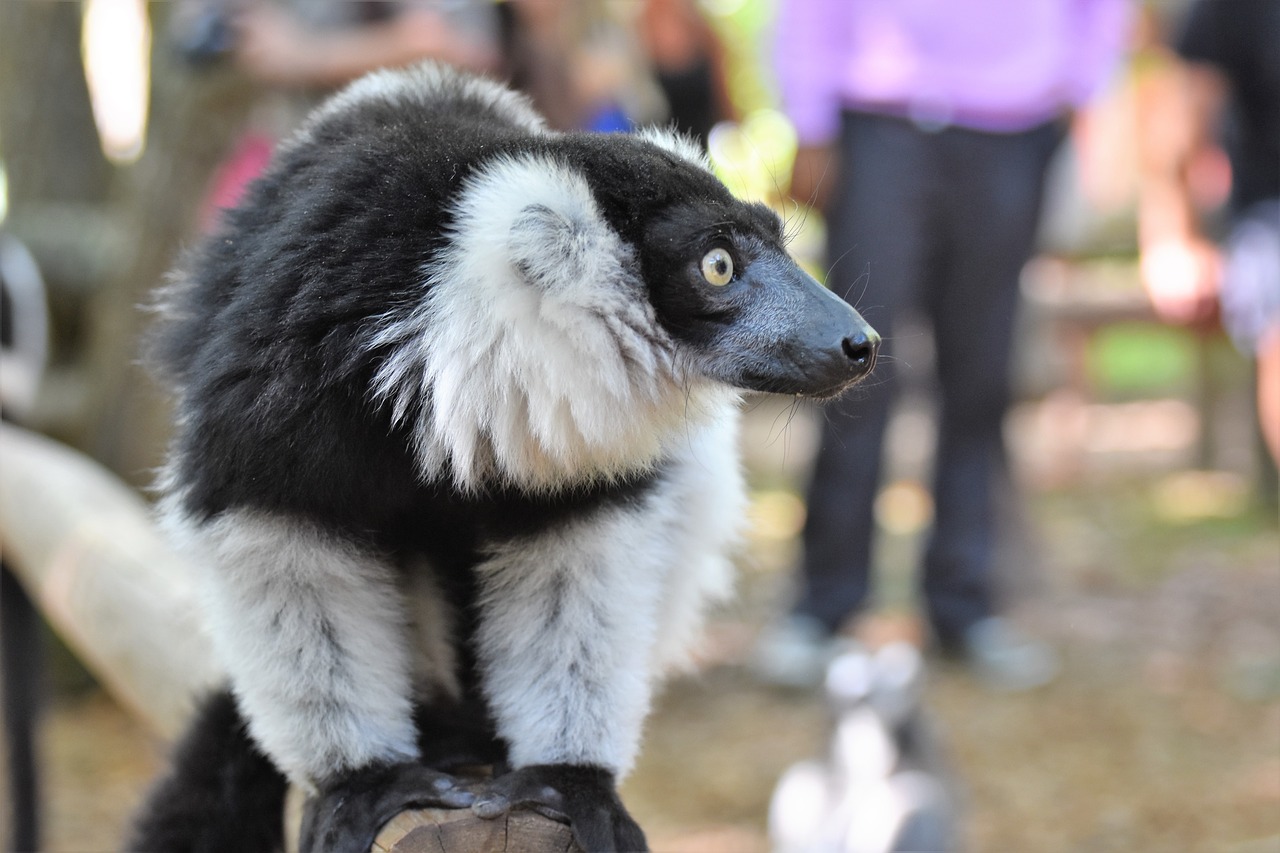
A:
860,350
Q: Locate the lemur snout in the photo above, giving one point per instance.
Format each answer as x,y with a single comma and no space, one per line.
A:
861,348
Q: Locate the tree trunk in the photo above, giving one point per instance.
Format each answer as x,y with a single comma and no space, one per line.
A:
104,236
195,116
47,136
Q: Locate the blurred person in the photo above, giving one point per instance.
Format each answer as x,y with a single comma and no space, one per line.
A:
539,61
309,47
925,132
688,61
545,48
1226,88
322,45
579,63
301,50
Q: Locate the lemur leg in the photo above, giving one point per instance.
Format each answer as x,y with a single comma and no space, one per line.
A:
565,639
311,628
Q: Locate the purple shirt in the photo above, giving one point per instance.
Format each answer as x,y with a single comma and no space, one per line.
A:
992,65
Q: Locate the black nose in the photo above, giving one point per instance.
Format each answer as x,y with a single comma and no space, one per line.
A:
860,348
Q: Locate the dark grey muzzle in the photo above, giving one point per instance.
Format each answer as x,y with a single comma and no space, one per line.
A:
809,342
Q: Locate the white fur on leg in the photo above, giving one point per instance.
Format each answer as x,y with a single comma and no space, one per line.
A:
705,482
578,622
566,631
311,630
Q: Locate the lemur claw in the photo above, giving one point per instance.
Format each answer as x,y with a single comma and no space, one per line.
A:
346,816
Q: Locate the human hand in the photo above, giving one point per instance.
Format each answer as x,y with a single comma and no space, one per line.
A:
273,45
1181,276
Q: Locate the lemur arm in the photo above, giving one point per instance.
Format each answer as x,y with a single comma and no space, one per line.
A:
311,629
566,638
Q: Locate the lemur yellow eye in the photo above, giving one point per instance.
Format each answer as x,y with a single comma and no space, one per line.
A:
717,267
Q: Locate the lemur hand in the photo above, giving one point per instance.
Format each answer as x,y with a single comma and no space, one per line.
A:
586,796
347,815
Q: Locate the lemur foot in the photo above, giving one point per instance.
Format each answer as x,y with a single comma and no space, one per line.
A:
346,816
585,796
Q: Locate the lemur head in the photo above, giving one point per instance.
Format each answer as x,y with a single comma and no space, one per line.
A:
591,288
718,274
713,268
547,306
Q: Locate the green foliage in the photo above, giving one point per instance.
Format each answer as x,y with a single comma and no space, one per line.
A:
1142,358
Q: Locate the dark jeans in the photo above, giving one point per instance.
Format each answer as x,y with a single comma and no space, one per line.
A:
936,225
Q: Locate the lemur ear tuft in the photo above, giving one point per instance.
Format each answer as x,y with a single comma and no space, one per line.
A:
558,251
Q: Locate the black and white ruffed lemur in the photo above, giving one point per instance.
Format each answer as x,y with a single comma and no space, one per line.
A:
456,457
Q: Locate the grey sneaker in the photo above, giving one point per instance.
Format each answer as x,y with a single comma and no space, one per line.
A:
795,653
1005,659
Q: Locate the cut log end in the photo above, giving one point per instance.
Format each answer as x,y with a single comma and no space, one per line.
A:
460,831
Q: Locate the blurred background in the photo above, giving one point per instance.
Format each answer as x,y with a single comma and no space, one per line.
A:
1141,530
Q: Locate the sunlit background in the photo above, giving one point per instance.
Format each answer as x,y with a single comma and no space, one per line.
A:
117,65
1151,554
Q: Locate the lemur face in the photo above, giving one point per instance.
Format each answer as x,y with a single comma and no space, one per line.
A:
724,284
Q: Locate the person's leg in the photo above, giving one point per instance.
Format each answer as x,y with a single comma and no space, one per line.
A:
992,204
1269,391
875,248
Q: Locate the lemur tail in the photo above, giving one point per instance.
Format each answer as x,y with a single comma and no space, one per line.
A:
221,794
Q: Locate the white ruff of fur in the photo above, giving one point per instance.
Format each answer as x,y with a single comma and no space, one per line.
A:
534,357
312,630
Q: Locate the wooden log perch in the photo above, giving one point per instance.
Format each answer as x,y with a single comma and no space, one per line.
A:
84,546
459,831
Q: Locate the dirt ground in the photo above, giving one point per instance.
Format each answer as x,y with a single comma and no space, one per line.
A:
1159,585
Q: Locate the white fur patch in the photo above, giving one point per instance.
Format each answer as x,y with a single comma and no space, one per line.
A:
534,356
566,626
706,483
312,631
